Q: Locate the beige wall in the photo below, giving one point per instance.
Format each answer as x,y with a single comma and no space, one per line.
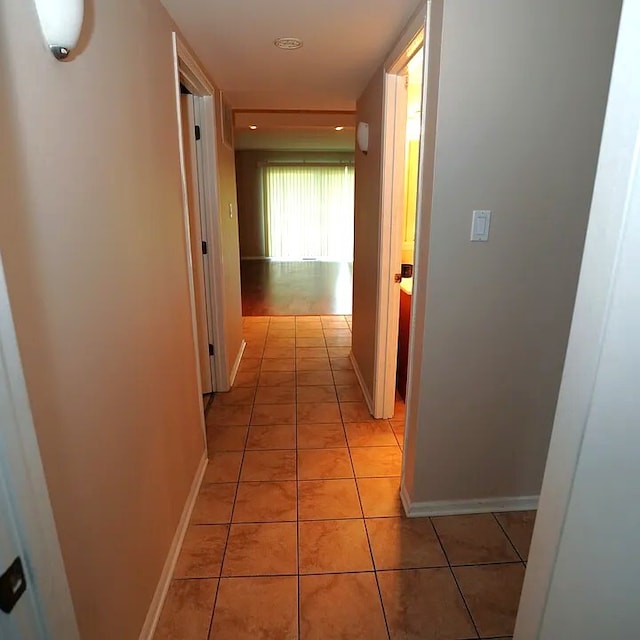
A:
91,233
367,222
250,207
518,129
229,223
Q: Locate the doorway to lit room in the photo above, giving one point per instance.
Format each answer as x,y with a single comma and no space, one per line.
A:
295,176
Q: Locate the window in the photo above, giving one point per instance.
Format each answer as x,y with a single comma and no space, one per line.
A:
309,211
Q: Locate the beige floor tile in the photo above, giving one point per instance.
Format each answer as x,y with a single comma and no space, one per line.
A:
338,341
345,378
229,416
281,332
264,466
373,462
519,528
473,539
272,437
246,379
341,607
492,593
355,412
324,464
226,438
341,364
280,342
309,342
350,393
249,364
239,395
265,502
328,546
303,332
339,352
337,333
278,364
398,428
311,352
380,497
187,609
424,604
404,543
310,378
276,395
214,504
318,412
224,466
313,364
279,352
274,414
321,436
277,379
261,549
317,393
254,608
202,550
328,499
370,434
254,350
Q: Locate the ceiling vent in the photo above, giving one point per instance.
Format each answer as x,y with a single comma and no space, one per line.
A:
288,43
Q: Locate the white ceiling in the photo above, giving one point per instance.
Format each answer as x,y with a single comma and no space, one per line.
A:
344,42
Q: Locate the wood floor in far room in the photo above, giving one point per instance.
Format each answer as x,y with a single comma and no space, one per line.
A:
309,287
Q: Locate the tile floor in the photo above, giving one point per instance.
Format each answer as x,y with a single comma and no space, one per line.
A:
298,531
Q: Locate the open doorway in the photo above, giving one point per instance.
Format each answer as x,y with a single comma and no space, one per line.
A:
403,100
192,161
196,106
295,181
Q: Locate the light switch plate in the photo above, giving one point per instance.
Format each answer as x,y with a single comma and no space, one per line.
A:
480,223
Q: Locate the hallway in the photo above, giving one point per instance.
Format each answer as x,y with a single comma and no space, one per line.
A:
307,287
298,531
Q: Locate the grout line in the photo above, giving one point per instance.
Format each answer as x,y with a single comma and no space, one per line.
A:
233,507
455,579
295,401
366,533
495,517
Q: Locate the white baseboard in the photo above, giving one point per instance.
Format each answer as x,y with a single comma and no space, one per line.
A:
155,608
236,364
363,386
461,507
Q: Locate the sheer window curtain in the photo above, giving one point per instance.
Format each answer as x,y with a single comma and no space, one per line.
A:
309,211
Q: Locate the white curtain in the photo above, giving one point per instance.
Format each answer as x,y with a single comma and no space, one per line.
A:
309,211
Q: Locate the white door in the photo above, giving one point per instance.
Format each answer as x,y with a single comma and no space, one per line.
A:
200,247
35,601
24,621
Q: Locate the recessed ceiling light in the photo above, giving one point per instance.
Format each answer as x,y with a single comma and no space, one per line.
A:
253,127
339,128
288,43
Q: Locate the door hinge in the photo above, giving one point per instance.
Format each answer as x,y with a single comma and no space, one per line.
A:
13,583
197,132
205,248
210,349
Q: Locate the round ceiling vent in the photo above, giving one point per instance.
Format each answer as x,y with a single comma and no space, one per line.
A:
288,43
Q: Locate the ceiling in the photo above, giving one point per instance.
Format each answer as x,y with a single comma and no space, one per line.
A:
295,131
344,42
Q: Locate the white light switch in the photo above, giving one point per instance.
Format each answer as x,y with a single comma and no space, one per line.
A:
480,223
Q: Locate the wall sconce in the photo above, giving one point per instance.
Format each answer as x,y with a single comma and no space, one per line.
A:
362,136
61,23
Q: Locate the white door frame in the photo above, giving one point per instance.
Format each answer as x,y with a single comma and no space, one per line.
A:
392,212
188,70
23,475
